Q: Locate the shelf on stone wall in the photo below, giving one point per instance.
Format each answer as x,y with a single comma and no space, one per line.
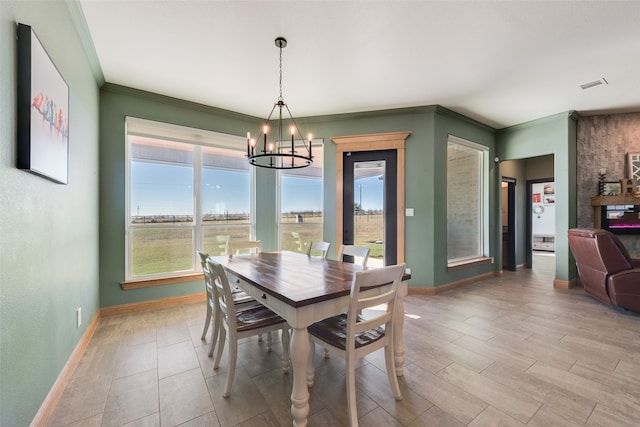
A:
621,199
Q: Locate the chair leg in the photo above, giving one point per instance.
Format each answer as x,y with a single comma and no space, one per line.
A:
214,335
391,371
286,356
351,392
222,339
207,322
233,358
269,341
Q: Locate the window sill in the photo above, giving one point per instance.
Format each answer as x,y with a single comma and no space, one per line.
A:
149,283
461,265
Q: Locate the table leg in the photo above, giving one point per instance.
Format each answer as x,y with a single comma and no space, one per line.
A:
398,345
300,349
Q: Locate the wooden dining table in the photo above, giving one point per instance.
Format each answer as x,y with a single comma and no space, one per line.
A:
304,290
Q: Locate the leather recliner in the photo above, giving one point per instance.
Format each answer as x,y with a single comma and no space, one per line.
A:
606,270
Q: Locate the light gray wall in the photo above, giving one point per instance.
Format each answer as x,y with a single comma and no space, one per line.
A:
48,231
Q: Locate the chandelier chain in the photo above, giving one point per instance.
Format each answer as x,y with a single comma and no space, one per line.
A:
280,98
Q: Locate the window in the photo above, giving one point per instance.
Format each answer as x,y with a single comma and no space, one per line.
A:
301,207
187,189
467,190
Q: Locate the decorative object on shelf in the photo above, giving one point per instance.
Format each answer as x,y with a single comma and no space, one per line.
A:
43,111
628,186
280,152
602,177
611,188
633,168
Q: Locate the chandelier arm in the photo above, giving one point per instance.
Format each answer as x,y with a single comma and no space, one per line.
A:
304,143
266,124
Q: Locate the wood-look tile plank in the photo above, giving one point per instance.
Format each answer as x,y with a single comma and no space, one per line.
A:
494,353
604,416
435,417
548,416
588,388
568,403
130,398
493,417
183,397
510,401
374,382
452,399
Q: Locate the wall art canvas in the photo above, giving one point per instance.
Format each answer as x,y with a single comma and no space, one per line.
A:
43,111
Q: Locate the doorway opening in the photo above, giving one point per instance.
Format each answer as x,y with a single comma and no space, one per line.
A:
541,220
508,223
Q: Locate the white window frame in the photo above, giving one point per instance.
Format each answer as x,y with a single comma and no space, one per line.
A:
198,138
318,143
483,208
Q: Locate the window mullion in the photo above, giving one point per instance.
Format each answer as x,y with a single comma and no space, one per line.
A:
197,193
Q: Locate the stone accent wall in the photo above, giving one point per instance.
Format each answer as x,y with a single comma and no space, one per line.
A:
603,142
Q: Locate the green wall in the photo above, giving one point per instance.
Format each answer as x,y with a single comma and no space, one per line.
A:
425,191
48,231
116,103
550,135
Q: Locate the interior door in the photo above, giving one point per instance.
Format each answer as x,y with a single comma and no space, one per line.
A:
508,223
370,204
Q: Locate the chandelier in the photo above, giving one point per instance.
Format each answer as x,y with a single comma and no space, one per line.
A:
275,150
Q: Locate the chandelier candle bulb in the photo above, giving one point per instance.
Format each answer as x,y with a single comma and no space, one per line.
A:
265,130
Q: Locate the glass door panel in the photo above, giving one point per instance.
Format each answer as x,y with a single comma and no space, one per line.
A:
368,212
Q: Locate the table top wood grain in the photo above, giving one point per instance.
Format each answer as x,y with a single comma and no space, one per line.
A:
296,279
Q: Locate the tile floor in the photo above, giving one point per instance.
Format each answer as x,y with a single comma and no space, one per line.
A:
508,351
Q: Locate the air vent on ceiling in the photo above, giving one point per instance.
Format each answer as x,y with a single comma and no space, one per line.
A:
594,83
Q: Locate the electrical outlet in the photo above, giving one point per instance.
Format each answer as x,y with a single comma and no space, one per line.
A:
78,317
407,270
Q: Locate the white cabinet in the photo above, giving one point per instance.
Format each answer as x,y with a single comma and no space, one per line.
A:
543,242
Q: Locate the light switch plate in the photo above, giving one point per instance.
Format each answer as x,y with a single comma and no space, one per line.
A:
409,212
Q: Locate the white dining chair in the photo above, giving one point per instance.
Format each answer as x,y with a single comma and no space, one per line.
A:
240,299
238,324
360,254
236,247
314,247
353,336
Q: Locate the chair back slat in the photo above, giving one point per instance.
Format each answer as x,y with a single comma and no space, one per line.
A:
322,247
354,251
239,246
222,292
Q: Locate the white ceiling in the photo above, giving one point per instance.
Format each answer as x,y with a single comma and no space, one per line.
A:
499,62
